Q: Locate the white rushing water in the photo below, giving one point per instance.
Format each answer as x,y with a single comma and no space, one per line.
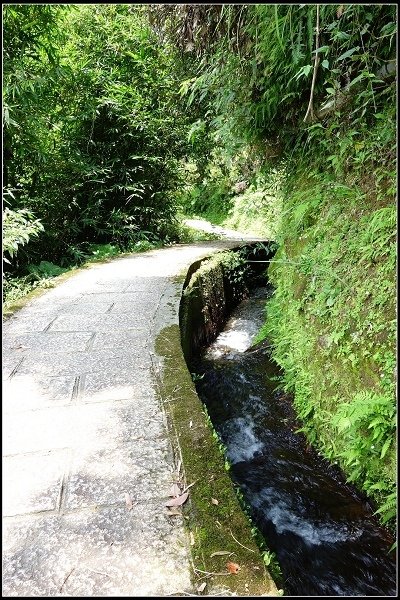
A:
243,444
239,332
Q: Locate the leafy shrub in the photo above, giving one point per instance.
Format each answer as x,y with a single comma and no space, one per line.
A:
98,252
18,228
45,270
99,159
367,424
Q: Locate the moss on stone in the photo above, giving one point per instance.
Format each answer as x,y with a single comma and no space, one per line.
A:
214,526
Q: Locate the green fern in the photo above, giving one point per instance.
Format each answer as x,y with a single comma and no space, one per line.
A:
388,510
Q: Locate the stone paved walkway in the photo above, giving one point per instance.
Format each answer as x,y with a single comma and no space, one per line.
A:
83,428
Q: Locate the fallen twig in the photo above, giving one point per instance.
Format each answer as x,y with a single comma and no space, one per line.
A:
94,571
189,486
237,541
181,594
67,577
209,573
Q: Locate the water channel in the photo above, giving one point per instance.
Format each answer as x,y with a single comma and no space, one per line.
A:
324,534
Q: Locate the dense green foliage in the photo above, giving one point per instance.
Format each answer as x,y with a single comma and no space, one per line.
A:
333,324
93,136
280,119
307,93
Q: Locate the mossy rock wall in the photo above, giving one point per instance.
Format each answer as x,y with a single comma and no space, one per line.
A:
212,289
332,324
205,305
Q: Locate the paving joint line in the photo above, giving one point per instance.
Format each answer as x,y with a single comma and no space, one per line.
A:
92,509
39,452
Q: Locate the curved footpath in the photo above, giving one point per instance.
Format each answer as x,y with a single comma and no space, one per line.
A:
86,454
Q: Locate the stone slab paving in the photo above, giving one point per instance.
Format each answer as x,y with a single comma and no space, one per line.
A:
83,427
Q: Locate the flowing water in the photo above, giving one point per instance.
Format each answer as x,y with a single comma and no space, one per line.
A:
327,541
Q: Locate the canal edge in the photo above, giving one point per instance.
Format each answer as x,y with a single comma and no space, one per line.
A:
219,531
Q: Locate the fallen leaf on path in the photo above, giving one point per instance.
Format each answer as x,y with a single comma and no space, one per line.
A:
175,490
191,538
220,553
178,501
202,587
232,567
214,501
128,500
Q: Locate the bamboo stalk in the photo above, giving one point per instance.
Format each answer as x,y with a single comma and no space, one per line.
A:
310,109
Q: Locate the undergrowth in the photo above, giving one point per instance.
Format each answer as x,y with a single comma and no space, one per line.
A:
235,194
332,321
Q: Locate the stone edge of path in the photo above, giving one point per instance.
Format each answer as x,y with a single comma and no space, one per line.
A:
225,527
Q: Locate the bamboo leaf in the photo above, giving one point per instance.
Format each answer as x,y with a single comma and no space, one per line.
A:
348,53
322,49
178,501
278,35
